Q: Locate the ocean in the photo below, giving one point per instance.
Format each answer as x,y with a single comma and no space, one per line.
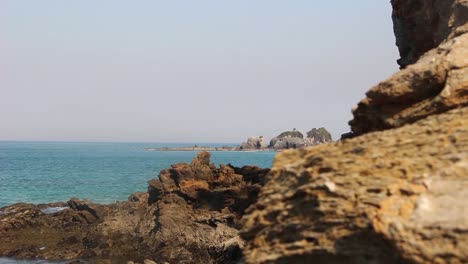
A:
44,172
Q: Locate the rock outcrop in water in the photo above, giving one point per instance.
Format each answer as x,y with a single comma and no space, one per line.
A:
288,140
295,139
190,214
396,192
254,143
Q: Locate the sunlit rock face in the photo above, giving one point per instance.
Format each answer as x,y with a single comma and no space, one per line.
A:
394,196
433,41
395,192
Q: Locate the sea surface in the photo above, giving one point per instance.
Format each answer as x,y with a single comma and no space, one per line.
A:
43,172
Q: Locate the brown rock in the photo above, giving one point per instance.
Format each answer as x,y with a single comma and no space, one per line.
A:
396,196
436,83
189,215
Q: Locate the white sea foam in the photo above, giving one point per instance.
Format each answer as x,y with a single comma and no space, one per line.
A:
53,210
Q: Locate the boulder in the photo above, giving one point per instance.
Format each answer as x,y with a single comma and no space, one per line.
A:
396,196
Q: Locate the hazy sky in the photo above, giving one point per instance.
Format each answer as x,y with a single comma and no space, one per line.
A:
187,71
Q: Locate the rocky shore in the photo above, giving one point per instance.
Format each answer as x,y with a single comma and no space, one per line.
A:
394,192
190,214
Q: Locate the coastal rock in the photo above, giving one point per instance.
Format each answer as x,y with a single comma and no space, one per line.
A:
396,196
254,143
190,214
434,37
295,139
320,135
420,26
395,190
436,83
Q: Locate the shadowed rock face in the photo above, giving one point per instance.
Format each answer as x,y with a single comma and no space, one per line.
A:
190,214
421,25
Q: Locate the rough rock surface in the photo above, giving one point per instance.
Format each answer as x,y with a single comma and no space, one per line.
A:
396,196
254,143
436,82
190,214
420,26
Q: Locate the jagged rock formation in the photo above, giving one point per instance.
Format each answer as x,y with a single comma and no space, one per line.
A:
437,82
396,192
254,143
396,196
190,214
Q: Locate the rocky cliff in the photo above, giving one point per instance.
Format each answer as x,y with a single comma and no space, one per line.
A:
395,193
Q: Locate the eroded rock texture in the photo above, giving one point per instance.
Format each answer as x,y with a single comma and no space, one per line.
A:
190,214
421,25
397,196
432,36
436,83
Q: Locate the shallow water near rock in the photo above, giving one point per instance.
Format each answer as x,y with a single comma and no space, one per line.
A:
44,172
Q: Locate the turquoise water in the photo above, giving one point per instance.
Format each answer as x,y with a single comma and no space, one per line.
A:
43,172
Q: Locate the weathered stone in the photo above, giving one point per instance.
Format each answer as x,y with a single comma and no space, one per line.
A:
396,196
436,83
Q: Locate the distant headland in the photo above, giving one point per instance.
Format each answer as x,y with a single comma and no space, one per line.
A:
287,140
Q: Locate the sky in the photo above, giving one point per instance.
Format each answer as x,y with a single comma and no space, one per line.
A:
187,71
